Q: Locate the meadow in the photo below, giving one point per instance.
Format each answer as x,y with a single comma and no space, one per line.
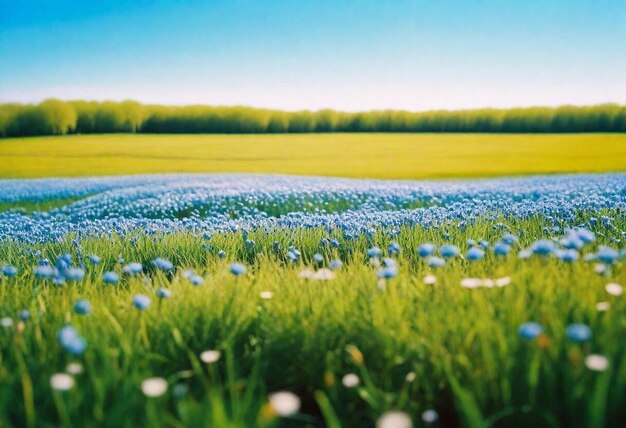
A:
253,300
373,155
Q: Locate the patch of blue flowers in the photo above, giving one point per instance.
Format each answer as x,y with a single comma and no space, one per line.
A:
227,202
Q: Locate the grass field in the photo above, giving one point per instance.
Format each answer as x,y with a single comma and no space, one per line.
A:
460,348
346,155
522,323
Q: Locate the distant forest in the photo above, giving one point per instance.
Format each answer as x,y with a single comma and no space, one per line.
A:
55,117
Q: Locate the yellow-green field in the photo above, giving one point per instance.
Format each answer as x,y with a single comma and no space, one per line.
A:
348,155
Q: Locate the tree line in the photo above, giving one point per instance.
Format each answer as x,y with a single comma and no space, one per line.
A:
56,117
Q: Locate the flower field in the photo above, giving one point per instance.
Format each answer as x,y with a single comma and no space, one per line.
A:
270,300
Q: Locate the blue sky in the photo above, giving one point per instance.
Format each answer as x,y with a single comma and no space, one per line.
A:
349,55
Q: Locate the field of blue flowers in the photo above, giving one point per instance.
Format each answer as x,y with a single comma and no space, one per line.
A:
265,300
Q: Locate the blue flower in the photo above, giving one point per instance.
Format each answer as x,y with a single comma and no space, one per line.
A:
71,341
543,247
530,330
133,268
196,279
607,255
578,332
335,264
111,278
94,259
24,315
221,254
318,258
585,235
568,256
44,271
509,239
436,262
501,249
374,252
426,249
9,271
475,253
82,307
394,249
141,301
448,251
74,274
388,273
163,264
163,293
238,269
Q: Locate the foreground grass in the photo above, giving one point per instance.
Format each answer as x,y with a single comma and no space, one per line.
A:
346,155
469,362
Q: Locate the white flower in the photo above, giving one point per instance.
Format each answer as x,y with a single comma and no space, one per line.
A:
74,368
471,282
284,403
614,289
430,279
350,380
266,295
394,419
410,377
504,281
599,268
323,275
154,386
6,322
306,273
210,356
603,306
596,362
489,283
61,382
430,416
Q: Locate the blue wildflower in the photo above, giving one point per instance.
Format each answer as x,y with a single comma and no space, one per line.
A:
426,249
568,256
530,330
578,332
133,268
543,247
24,315
94,259
475,253
394,249
74,274
44,271
335,264
374,252
238,269
82,307
9,271
318,258
141,301
448,251
607,255
163,293
501,249
509,239
196,279
111,278
162,264
435,262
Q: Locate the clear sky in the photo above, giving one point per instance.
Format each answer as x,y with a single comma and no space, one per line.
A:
350,55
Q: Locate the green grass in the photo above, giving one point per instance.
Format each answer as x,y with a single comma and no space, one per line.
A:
463,346
348,155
